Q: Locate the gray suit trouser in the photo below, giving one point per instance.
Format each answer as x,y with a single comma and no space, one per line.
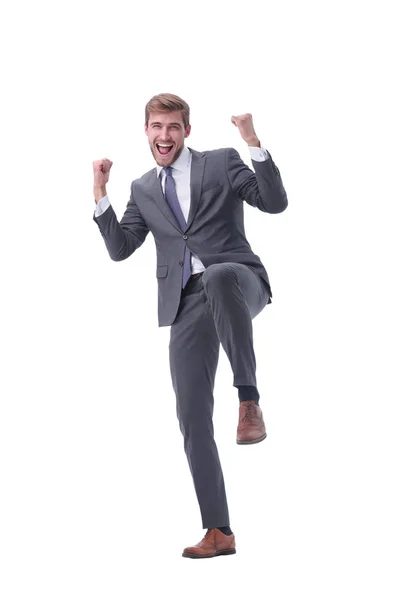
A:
216,308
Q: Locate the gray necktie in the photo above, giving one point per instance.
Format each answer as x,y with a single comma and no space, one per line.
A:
173,202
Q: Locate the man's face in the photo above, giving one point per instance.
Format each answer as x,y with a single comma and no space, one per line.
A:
166,134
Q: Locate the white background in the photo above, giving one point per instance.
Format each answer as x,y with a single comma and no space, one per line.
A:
96,495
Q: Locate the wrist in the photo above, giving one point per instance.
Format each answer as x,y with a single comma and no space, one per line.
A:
253,142
99,192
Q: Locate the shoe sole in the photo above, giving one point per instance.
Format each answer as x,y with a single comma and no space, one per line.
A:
222,553
247,442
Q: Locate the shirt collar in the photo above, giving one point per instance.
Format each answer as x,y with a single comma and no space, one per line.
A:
182,162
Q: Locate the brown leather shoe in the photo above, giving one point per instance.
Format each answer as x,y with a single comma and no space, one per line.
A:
251,428
214,543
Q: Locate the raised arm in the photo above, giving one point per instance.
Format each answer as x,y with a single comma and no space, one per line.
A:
264,188
124,237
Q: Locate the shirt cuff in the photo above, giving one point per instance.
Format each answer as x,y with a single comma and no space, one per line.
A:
102,206
258,154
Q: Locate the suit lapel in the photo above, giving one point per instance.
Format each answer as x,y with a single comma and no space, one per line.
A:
196,182
161,202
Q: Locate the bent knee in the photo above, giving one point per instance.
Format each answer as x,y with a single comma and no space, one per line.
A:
219,274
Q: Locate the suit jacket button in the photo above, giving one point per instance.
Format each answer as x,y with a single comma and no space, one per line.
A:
181,262
185,237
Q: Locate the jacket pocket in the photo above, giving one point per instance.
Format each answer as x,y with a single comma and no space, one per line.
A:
162,271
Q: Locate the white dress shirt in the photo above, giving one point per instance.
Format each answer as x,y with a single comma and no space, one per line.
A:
181,175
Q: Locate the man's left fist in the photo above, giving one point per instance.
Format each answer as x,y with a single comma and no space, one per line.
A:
246,128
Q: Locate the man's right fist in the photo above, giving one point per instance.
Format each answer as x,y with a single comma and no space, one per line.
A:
101,172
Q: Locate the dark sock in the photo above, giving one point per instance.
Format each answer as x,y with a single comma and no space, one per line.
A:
248,392
225,530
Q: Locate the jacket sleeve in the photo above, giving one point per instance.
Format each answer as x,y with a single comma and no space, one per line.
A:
263,189
124,237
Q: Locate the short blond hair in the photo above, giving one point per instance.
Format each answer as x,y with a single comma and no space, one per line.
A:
168,103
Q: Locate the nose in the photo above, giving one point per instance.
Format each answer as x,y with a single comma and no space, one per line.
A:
164,134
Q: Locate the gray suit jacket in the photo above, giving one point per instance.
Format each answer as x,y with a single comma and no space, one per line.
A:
220,182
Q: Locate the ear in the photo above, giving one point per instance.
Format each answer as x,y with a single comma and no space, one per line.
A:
146,129
188,130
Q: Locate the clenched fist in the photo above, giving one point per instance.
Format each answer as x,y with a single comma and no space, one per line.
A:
101,171
246,128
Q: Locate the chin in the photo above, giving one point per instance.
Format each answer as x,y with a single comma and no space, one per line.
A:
168,159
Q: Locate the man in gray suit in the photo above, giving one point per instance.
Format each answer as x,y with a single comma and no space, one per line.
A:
210,283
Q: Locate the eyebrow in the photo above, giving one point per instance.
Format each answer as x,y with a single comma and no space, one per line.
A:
158,123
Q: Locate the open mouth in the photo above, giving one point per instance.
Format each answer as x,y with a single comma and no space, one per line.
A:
164,149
